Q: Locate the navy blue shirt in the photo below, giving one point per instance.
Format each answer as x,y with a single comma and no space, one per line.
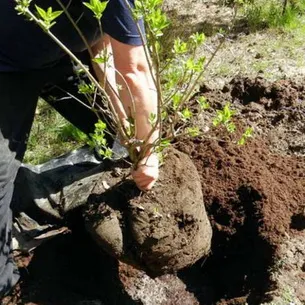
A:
24,45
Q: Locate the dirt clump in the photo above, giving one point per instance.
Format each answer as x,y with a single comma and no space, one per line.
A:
160,231
167,289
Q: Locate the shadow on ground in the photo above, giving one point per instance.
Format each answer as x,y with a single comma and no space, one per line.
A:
71,270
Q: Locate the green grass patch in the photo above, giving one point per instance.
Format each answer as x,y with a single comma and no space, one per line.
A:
51,136
262,14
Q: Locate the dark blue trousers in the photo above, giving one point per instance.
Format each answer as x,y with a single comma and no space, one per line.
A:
19,92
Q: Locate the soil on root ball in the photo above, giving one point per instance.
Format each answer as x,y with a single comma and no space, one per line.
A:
160,231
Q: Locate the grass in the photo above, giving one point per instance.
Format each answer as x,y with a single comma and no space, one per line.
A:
261,14
272,53
51,136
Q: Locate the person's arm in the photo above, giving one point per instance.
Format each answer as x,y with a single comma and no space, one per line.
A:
131,63
104,43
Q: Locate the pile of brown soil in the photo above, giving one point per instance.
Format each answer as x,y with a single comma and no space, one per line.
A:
254,194
252,198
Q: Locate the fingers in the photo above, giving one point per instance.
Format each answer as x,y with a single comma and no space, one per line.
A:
145,177
147,173
145,183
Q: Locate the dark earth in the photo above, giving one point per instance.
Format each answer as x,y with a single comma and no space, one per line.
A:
255,199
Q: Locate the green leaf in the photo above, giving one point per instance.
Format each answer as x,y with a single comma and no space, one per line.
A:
224,116
101,59
100,125
247,134
41,12
186,114
164,115
152,118
197,38
97,7
199,66
165,143
177,98
202,101
108,153
190,64
193,131
48,16
84,88
230,127
22,6
216,121
241,141
55,14
180,47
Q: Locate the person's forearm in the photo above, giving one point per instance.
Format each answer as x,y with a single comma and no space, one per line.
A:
143,102
138,96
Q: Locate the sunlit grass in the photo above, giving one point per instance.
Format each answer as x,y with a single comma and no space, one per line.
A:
51,136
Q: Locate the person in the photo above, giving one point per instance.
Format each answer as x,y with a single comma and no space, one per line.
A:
33,65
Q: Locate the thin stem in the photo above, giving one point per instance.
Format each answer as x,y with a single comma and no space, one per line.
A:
80,33
215,52
76,98
177,88
105,51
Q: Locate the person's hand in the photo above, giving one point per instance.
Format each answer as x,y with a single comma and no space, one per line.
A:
147,172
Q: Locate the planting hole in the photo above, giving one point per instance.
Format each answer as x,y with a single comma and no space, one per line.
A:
298,222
